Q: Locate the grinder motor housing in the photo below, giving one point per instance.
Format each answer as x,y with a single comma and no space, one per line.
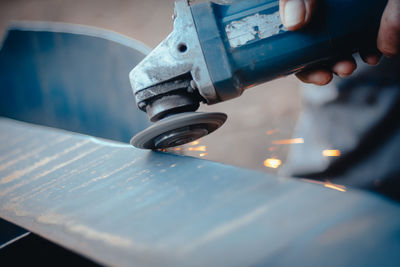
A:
216,51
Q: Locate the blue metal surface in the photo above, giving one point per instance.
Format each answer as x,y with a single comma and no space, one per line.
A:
70,77
340,28
126,207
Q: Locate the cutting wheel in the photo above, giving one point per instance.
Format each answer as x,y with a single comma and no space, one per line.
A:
178,129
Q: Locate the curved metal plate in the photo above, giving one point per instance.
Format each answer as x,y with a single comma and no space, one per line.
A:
71,77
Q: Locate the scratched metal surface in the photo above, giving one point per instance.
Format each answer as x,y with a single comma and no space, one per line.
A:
122,206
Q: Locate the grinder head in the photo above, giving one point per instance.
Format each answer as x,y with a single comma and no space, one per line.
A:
178,129
169,84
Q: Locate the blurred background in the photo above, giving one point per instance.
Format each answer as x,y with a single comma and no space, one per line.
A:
260,123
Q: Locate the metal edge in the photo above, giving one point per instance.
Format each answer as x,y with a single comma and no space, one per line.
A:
63,27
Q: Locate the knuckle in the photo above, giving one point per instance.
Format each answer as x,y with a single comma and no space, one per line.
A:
389,51
389,34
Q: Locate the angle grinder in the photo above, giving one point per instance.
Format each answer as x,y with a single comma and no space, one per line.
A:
216,51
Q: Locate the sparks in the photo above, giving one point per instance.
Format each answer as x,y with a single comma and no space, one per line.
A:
288,141
312,181
337,187
327,184
272,131
331,153
198,148
272,163
194,143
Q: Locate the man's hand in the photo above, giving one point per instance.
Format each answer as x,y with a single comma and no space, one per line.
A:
296,14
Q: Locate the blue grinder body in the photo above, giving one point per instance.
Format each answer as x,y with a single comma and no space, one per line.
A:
244,43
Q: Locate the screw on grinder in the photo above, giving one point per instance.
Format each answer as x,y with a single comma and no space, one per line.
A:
178,129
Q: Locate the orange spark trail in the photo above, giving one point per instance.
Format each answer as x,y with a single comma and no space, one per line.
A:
340,188
272,131
198,148
272,163
327,184
288,141
331,153
194,143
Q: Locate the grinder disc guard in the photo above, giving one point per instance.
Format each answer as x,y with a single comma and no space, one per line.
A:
178,129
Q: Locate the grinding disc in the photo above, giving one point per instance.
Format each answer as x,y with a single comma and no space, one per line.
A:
178,129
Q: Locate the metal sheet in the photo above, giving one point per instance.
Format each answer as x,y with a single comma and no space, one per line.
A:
122,206
71,77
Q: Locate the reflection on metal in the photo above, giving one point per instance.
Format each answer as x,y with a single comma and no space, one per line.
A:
71,77
121,206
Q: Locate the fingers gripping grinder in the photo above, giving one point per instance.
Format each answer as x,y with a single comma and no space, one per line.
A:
216,51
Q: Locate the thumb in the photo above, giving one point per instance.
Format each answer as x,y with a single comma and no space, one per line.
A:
295,14
389,33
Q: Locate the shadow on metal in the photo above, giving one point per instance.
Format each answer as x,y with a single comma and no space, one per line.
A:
70,77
